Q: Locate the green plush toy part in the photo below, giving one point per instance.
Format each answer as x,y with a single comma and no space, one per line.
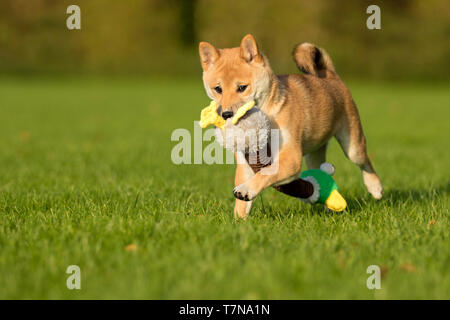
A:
325,188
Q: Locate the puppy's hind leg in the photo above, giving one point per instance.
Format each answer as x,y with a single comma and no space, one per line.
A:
353,143
316,158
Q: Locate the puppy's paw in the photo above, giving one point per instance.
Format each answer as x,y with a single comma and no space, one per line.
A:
376,191
373,185
244,193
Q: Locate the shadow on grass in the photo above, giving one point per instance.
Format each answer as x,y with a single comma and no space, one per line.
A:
394,197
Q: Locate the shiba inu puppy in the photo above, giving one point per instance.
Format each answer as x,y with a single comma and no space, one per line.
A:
308,109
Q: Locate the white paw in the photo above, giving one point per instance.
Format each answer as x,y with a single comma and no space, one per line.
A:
243,192
376,190
373,185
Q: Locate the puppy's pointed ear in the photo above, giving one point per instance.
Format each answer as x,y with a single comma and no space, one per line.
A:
249,49
208,55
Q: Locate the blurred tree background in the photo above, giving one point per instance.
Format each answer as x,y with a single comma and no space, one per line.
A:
160,37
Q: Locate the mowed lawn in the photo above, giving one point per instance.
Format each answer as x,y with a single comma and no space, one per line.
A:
86,179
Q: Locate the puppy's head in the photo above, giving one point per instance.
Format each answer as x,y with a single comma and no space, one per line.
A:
234,76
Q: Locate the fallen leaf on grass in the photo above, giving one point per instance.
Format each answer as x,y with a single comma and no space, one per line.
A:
24,136
384,271
432,221
131,247
408,267
341,263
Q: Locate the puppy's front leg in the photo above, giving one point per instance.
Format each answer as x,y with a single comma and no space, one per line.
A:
285,168
243,173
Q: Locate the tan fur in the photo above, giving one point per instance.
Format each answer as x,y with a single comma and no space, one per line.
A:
309,109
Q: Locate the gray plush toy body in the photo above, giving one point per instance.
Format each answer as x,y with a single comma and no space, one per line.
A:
249,135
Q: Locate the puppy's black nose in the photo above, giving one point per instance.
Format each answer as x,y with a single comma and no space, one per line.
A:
227,114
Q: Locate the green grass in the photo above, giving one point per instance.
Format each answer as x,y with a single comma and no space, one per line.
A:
85,170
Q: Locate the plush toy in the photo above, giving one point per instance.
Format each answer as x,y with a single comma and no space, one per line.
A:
209,115
249,132
325,188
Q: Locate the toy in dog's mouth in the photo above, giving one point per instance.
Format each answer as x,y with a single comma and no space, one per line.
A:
248,131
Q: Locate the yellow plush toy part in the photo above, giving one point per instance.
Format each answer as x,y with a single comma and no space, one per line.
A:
209,115
336,201
242,111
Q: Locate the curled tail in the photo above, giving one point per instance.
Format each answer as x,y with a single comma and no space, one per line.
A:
313,60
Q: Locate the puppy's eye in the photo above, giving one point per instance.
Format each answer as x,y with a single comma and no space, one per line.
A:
242,88
218,89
